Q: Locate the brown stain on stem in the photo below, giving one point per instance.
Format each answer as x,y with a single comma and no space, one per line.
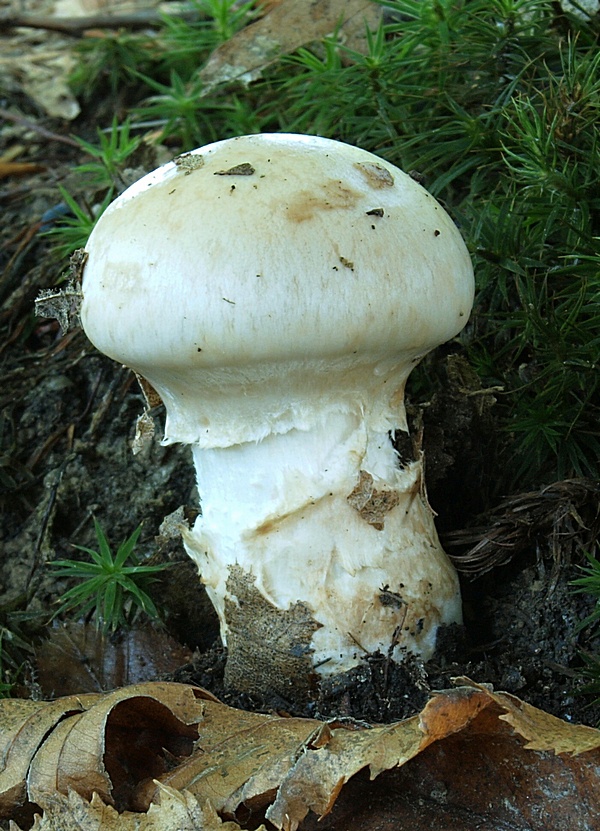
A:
372,505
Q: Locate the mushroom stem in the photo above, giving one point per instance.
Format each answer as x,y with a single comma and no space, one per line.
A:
324,538
276,291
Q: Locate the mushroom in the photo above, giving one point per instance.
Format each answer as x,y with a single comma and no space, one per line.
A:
276,291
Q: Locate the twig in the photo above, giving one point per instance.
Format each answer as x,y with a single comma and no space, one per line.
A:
37,128
553,514
77,26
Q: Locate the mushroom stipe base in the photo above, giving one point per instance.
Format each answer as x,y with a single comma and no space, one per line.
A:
267,646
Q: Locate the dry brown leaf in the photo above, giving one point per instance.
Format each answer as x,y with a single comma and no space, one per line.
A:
471,759
104,743
546,732
488,776
317,778
171,812
116,742
78,657
316,765
287,26
240,758
301,767
541,730
23,727
44,77
247,758
471,764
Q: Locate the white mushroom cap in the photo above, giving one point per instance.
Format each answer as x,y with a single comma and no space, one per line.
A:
262,282
277,290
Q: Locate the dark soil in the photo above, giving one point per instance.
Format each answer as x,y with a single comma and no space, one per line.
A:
66,426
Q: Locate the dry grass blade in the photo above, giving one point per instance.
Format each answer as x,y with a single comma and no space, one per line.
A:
566,514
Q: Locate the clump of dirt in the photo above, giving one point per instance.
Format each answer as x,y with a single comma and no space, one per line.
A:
530,642
376,691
